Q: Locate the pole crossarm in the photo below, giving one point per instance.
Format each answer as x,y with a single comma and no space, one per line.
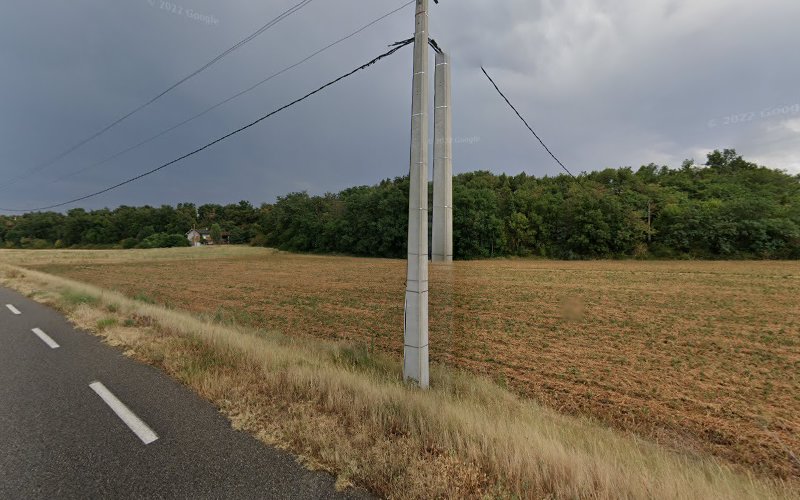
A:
435,46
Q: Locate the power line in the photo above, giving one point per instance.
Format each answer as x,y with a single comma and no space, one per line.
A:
395,47
526,123
196,72
225,101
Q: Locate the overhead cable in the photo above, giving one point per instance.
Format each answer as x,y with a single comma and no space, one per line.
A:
395,48
227,100
191,75
526,123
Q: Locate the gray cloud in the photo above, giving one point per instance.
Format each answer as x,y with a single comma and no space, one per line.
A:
606,83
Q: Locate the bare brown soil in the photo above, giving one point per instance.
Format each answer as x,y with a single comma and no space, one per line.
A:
699,356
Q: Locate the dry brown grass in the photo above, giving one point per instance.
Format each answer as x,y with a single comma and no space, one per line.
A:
349,413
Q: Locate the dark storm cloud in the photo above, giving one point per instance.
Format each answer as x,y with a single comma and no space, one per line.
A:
606,83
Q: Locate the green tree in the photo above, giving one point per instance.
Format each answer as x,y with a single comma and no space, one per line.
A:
726,208
216,233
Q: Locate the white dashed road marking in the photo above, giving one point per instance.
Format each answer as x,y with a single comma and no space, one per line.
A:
13,309
133,422
45,338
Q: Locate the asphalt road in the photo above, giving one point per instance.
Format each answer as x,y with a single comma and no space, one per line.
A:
60,439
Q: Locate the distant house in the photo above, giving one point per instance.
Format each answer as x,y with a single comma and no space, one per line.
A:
195,237
199,237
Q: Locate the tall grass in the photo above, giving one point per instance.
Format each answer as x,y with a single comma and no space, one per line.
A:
348,411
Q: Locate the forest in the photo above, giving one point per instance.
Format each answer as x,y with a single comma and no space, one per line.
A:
728,208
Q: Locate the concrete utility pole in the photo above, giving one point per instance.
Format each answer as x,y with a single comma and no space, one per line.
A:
415,351
442,163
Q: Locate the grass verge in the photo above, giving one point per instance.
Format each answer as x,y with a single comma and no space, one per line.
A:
344,410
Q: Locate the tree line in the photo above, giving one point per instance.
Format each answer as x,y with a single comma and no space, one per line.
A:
726,208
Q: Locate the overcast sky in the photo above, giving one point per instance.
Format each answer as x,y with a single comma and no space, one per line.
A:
606,83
